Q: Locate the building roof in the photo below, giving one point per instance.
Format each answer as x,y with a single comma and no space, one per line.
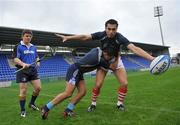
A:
12,36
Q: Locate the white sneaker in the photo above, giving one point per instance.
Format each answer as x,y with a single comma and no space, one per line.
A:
23,114
34,107
91,108
121,107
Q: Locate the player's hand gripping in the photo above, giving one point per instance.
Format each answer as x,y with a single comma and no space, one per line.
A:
24,65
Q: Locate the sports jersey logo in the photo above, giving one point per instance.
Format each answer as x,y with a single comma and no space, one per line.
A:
23,79
28,52
75,73
72,81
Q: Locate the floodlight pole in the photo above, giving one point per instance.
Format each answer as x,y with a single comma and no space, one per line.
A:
161,31
158,11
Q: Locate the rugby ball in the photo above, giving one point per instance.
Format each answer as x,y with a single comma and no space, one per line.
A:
160,64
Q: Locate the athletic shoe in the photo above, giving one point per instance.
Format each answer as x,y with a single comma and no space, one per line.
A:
23,114
91,108
121,107
34,107
44,112
68,113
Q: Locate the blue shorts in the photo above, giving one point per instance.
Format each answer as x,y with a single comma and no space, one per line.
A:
27,75
74,75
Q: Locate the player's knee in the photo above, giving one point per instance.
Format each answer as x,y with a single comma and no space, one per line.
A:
23,91
68,94
124,82
38,89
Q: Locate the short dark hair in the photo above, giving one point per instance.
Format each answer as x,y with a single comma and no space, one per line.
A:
111,21
109,49
27,31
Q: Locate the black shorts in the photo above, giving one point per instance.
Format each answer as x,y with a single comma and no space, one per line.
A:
74,75
27,75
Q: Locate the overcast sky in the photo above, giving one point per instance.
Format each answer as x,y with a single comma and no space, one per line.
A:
136,17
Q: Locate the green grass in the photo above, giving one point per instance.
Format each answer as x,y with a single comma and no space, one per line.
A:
151,100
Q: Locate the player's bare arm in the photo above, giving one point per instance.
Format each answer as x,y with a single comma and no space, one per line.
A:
114,64
19,62
140,52
74,37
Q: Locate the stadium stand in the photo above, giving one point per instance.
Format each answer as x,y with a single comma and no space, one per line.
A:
56,66
6,73
53,67
133,62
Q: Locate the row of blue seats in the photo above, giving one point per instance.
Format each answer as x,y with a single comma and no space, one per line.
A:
57,66
54,66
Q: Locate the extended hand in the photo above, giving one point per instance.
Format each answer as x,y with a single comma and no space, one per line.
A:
64,38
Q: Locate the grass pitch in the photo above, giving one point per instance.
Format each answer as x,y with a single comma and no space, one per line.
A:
151,100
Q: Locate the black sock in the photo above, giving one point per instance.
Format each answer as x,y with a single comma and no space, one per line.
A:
33,98
22,104
46,108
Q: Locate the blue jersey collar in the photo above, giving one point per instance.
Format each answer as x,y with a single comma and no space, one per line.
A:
22,43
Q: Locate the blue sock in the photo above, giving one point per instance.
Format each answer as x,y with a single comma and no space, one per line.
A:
50,105
71,106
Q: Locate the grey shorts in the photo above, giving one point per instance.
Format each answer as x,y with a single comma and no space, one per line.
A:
73,75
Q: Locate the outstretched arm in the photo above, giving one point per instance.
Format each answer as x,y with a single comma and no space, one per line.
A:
74,37
140,52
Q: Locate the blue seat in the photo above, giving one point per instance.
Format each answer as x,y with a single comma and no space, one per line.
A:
54,66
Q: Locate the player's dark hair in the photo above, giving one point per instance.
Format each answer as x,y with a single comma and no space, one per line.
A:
26,31
111,21
109,49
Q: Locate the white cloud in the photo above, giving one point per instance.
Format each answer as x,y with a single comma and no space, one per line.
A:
136,17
